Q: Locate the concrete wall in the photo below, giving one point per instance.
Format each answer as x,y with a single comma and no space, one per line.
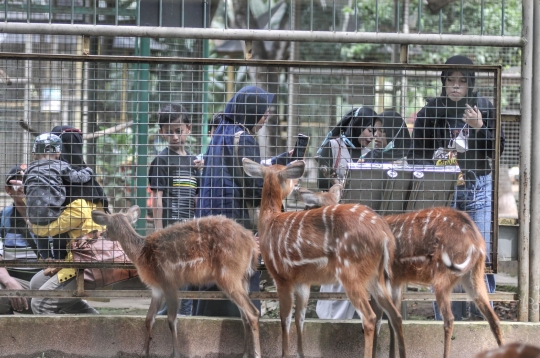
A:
123,336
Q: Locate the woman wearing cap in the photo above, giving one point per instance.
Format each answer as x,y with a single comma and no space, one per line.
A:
461,122
225,189
346,143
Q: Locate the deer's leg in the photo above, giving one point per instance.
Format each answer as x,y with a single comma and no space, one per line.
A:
155,304
396,298
360,300
285,294
442,296
382,296
237,292
172,312
301,293
378,313
476,288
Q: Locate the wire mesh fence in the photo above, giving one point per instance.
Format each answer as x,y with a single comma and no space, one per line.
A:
372,108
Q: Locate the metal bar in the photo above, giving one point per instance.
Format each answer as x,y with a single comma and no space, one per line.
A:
496,164
356,16
217,295
160,7
525,136
461,18
377,16
138,12
239,62
420,16
311,17
79,10
116,14
184,12
440,21
142,131
263,35
534,242
502,18
482,17
334,15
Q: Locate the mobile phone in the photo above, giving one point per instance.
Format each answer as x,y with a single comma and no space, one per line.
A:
300,147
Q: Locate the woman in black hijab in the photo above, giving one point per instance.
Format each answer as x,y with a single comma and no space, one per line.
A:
345,143
392,138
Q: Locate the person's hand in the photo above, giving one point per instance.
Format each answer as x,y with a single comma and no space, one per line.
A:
19,304
199,163
17,186
51,271
473,117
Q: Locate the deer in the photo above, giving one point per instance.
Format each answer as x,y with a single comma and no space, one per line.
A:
350,244
438,247
212,249
512,350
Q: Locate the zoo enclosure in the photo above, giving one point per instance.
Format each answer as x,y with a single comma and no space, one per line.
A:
101,20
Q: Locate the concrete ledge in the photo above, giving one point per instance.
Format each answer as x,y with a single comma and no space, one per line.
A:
123,336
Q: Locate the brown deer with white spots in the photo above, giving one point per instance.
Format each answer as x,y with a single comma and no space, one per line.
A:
349,244
213,249
439,247
512,350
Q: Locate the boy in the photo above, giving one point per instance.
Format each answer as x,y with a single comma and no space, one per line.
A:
173,175
43,183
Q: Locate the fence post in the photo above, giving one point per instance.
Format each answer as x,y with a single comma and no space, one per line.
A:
141,139
525,161
534,242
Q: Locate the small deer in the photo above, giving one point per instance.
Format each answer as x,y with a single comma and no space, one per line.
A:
213,249
349,244
440,247
512,350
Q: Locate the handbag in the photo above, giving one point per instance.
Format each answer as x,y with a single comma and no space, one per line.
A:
253,211
93,248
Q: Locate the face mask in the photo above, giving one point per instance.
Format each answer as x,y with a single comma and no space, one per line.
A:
460,143
391,145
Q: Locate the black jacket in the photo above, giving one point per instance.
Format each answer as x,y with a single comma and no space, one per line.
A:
432,130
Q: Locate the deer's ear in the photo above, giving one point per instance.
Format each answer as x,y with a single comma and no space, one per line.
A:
295,170
99,217
253,169
336,190
133,213
309,198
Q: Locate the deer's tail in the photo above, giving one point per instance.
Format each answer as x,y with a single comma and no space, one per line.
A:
385,262
458,267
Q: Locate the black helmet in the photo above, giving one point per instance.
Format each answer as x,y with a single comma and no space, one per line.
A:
47,143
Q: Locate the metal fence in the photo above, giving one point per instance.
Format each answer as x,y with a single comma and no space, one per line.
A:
96,93
115,103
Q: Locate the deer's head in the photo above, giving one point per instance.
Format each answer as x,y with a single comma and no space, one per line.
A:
317,200
286,177
118,222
